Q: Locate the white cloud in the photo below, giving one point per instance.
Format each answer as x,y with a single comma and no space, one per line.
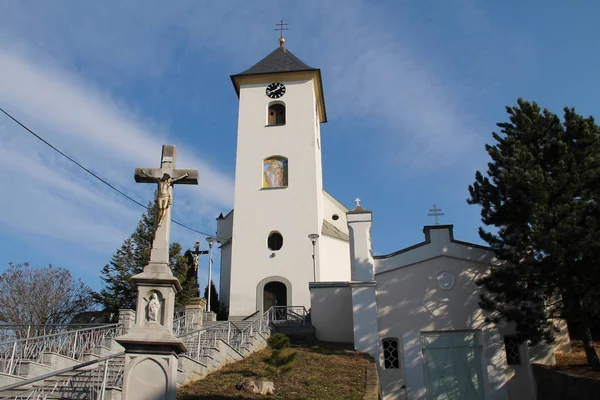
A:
50,196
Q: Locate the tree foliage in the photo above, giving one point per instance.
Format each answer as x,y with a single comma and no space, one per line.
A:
47,295
120,291
541,194
280,360
216,305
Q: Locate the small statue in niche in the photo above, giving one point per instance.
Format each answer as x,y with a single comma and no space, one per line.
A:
153,308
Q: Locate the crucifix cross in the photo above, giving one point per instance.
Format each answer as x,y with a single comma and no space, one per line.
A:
357,200
434,212
165,177
196,254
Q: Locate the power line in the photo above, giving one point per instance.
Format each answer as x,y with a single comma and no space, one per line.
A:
92,173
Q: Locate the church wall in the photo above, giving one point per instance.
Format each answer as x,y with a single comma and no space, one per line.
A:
410,302
224,232
332,207
331,311
293,211
335,259
225,277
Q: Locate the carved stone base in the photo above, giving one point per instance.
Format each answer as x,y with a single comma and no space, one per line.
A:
150,375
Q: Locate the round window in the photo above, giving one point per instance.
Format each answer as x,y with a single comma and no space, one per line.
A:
275,241
335,217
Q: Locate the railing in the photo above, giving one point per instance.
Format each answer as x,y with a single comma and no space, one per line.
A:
201,342
71,344
80,382
185,321
288,315
24,331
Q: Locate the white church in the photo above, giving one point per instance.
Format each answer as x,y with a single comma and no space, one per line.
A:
415,311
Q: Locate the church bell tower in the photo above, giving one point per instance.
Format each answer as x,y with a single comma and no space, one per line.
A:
267,260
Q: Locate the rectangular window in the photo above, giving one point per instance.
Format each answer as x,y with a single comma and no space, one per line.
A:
512,347
391,359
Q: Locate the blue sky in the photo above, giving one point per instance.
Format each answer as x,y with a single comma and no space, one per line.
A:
413,91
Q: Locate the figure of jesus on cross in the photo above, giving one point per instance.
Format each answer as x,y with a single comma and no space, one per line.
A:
165,177
164,199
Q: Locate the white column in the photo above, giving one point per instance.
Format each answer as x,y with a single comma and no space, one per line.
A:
361,253
363,285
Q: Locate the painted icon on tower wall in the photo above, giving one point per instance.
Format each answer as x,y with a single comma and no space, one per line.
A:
275,172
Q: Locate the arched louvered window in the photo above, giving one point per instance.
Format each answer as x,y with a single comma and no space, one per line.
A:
276,114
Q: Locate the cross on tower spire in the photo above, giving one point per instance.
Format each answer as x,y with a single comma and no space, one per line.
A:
281,29
434,212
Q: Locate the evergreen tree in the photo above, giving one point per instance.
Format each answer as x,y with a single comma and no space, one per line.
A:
216,306
541,193
130,259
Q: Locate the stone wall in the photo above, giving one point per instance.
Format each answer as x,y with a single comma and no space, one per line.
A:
554,385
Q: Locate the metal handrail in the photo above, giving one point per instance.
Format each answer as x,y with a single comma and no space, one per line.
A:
10,332
71,344
104,326
17,385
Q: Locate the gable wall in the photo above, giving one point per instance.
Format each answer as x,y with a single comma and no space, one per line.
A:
409,302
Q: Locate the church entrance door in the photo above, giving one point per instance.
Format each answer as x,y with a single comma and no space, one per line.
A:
275,295
453,365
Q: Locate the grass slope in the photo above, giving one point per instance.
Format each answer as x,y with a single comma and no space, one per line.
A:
321,371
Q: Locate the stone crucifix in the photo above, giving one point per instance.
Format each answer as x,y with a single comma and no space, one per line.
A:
165,176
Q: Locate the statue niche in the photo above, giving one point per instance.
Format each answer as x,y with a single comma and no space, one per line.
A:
153,309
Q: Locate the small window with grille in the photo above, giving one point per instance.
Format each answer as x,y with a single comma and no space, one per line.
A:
511,347
391,359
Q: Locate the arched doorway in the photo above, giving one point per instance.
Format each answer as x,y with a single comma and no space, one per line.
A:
274,294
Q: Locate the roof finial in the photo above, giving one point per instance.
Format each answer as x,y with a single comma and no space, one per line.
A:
281,29
435,213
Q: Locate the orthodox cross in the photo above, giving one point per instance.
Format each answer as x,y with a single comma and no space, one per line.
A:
434,212
165,177
357,200
281,28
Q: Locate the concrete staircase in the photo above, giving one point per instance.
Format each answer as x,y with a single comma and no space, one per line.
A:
85,381
210,348
72,384
216,357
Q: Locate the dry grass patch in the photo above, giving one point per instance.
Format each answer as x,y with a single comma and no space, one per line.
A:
575,362
322,371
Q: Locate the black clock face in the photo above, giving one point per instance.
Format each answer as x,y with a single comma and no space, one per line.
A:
275,90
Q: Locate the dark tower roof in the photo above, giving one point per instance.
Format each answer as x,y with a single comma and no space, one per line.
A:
280,60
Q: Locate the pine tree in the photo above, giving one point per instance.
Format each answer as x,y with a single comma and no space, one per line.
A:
120,291
216,305
542,193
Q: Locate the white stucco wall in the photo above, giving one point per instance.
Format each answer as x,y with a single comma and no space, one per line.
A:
331,311
410,302
225,277
335,259
332,207
224,232
295,211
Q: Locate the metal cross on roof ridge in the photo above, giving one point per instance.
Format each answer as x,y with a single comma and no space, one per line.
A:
281,28
434,212
357,200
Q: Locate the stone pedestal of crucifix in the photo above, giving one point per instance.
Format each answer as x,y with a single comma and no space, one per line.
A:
150,346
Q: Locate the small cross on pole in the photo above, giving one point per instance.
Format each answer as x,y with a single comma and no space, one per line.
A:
434,212
281,28
357,200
